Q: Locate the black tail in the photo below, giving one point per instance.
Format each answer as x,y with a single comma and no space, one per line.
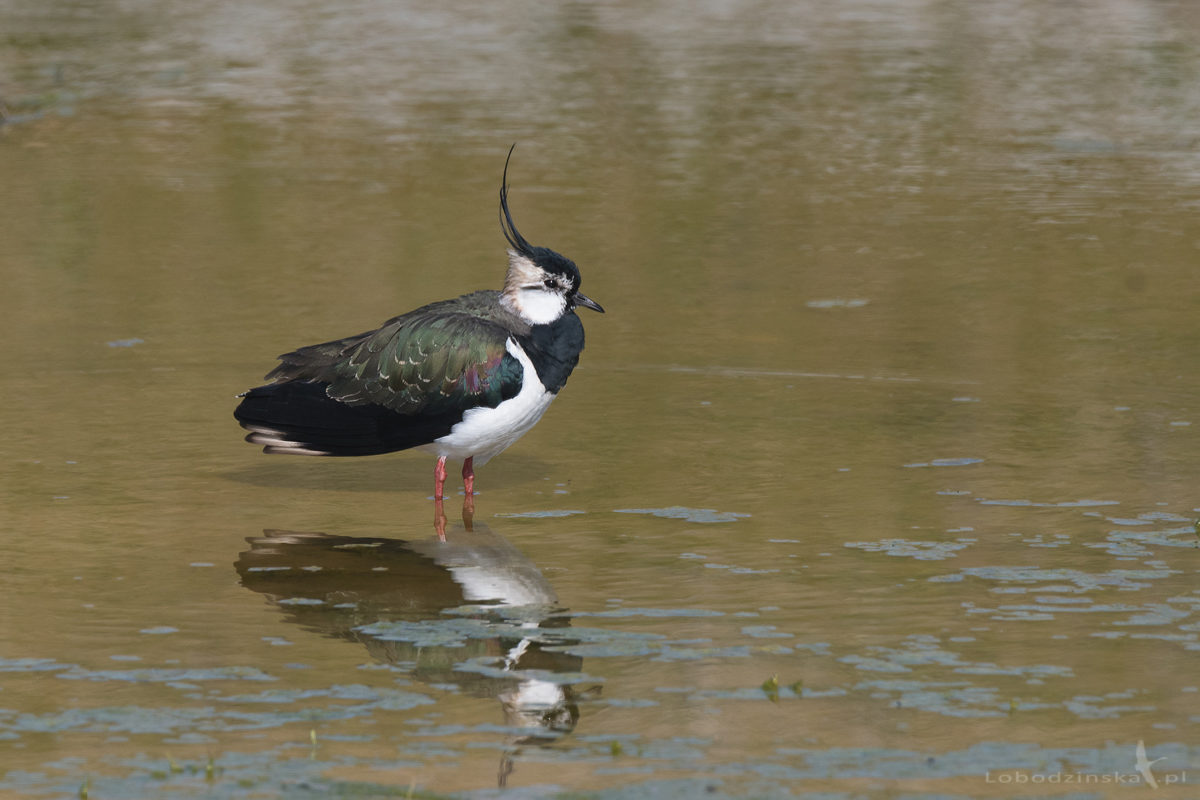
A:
299,418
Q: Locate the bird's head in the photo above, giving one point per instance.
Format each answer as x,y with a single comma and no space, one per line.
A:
541,285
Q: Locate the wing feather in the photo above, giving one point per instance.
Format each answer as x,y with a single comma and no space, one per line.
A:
439,358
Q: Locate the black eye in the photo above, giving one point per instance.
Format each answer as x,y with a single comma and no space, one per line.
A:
550,283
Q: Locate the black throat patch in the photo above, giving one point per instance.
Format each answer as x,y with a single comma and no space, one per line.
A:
554,349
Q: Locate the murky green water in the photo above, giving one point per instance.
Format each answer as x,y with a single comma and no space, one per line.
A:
877,480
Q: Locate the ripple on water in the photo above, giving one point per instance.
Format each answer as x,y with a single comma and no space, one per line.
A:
1127,543
1022,502
32,665
650,612
1070,579
945,462
920,550
733,569
837,302
926,651
162,675
703,515
547,514
168,720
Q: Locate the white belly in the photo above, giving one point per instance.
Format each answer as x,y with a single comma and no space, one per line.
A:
485,432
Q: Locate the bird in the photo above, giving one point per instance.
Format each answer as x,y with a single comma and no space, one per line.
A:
462,379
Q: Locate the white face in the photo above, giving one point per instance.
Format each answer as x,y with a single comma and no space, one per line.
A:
540,306
534,295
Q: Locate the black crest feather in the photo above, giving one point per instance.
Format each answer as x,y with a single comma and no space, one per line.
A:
511,233
544,257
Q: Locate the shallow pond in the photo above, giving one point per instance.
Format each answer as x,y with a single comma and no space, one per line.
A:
877,480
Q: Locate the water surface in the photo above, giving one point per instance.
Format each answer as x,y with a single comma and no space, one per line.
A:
877,479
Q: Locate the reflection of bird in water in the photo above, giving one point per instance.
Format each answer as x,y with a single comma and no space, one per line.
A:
390,596
461,379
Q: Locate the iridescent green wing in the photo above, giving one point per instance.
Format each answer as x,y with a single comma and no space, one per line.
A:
433,360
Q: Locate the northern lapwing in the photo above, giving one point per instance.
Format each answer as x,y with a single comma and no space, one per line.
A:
462,379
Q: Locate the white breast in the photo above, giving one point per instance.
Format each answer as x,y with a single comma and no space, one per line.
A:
485,432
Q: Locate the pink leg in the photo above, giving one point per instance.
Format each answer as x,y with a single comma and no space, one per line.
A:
469,476
439,479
